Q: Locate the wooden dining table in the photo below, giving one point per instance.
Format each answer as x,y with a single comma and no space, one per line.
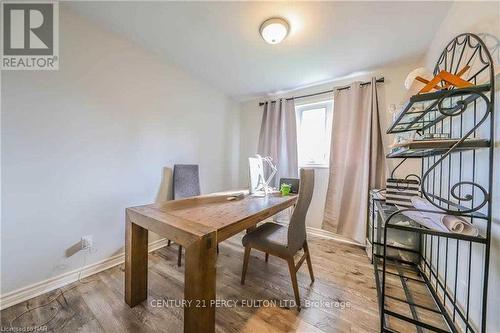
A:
198,224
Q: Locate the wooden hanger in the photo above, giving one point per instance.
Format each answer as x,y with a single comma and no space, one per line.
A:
448,79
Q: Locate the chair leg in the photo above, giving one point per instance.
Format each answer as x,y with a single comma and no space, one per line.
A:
308,259
295,285
267,257
217,248
179,256
168,243
245,263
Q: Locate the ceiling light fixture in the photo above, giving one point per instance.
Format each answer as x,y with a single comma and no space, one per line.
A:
274,30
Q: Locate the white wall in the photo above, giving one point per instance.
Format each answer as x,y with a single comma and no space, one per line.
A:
81,144
390,92
483,19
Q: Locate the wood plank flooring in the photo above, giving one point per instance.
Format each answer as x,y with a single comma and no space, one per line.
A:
342,299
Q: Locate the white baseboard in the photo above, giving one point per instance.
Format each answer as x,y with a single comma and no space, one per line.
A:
330,235
324,234
39,288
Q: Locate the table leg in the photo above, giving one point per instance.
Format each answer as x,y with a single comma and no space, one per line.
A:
199,285
136,263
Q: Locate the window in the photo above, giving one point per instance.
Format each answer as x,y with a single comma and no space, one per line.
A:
313,133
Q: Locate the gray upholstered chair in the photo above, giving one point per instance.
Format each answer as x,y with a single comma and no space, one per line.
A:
186,183
282,241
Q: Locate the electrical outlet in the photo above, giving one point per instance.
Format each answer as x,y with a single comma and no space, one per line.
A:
87,242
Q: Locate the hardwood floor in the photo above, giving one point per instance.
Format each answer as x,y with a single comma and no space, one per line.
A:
343,297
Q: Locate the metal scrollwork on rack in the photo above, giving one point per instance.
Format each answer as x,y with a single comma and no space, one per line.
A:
462,104
459,108
469,197
462,43
466,55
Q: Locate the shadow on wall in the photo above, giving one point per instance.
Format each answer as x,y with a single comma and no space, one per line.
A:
165,190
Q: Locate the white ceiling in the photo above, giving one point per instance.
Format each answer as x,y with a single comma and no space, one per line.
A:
219,42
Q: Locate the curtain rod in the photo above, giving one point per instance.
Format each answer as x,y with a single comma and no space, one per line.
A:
381,80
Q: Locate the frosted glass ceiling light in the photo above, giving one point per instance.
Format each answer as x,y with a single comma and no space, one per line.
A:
274,30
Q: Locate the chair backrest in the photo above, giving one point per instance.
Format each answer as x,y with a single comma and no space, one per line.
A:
297,226
186,181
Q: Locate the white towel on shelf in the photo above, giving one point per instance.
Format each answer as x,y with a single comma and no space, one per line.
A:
424,220
439,221
460,226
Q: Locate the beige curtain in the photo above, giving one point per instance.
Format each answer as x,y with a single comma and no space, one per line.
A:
357,160
278,138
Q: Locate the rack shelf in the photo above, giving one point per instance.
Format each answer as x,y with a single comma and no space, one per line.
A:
408,298
414,226
408,254
457,207
427,231
425,148
427,113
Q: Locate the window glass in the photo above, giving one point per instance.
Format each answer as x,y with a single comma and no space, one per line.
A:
313,134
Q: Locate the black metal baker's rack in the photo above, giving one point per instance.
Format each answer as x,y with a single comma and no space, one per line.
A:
457,179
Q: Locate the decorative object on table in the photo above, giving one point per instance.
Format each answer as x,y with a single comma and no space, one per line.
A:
285,189
400,191
259,184
294,183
